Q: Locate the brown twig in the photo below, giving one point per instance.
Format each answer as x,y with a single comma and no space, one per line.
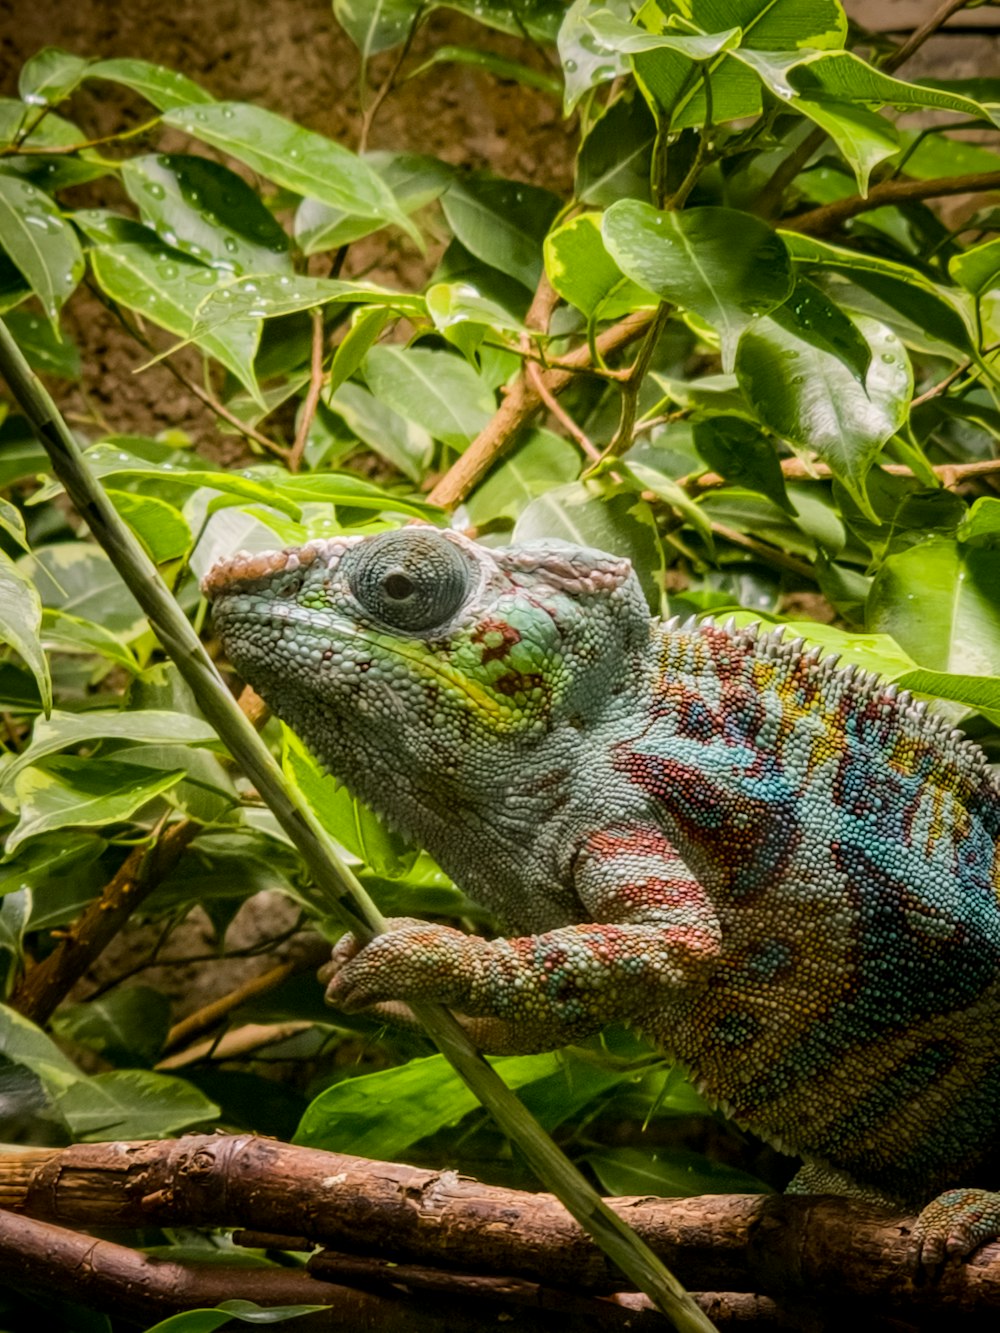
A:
796,469
236,1044
820,220
219,409
917,38
521,404
388,83
769,199
309,956
45,986
312,397
537,381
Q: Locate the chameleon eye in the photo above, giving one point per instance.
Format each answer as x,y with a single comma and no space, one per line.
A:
411,579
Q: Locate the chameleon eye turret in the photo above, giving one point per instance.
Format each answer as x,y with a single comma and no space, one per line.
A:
411,580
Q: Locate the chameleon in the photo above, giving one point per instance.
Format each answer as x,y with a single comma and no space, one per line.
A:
782,871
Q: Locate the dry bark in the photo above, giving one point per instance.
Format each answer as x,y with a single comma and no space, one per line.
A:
817,1248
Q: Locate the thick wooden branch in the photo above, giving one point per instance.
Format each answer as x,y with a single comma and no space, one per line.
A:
38,1257
787,1247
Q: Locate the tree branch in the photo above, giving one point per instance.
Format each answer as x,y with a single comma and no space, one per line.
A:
44,987
820,220
312,397
521,404
779,1245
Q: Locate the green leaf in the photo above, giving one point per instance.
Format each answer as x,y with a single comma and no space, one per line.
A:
779,25
827,327
502,222
674,1173
376,25
42,245
207,1321
345,488
12,522
414,178
586,61
865,139
149,726
20,624
133,1104
25,1044
977,269
168,287
842,76
165,88
400,442
938,601
508,70
738,451
909,291
585,275
612,32
43,350
981,526
691,259
49,860
126,1026
380,1115
302,161
50,76
979,692
77,577
207,211
66,792
271,295
435,390
349,821
15,911
615,159
160,527
542,461
813,400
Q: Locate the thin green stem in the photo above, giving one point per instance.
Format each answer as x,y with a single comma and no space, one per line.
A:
336,889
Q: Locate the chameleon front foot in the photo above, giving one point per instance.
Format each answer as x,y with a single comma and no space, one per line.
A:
413,960
955,1223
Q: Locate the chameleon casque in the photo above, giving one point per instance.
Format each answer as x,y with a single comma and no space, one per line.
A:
784,873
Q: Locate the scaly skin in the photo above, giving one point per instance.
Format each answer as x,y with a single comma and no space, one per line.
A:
784,873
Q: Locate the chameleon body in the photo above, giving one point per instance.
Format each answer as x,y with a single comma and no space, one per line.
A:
784,873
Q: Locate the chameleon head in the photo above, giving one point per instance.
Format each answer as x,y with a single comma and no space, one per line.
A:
420,644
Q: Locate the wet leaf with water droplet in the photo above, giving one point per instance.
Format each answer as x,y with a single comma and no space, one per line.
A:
309,164
208,211
165,88
42,246
143,280
50,76
724,265
811,398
